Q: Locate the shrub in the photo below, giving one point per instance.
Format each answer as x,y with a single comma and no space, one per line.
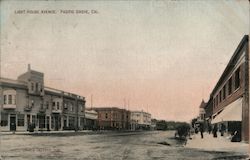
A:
183,130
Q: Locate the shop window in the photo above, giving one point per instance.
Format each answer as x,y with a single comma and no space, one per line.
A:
4,119
20,120
237,79
34,119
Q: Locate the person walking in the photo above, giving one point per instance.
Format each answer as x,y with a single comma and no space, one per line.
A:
215,131
209,128
222,129
201,129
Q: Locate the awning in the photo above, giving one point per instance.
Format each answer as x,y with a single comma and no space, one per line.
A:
232,112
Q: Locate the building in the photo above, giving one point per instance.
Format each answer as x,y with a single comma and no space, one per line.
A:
113,118
91,117
140,120
202,112
27,103
228,101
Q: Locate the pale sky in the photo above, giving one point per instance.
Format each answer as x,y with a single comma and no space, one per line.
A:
162,56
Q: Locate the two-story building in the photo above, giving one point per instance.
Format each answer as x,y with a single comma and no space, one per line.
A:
113,118
228,103
140,120
27,103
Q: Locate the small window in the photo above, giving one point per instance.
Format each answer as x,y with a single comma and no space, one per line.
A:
220,97
47,104
10,99
32,103
237,79
106,115
217,100
224,92
230,86
32,86
5,99
36,87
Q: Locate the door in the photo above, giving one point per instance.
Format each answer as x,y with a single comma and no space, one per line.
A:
28,121
13,123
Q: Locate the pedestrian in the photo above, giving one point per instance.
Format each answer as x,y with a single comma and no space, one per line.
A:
209,128
222,129
201,130
215,131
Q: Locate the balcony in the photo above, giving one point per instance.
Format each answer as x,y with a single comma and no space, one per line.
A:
42,110
27,108
56,111
9,106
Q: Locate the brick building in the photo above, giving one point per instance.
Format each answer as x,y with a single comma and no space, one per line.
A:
113,118
228,101
26,102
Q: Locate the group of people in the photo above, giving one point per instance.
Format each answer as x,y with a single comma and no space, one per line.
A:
214,129
235,136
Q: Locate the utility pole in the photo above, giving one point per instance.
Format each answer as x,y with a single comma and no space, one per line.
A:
248,75
91,105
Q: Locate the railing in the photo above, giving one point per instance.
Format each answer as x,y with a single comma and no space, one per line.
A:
9,106
27,108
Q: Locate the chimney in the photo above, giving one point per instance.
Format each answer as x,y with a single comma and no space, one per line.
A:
29,67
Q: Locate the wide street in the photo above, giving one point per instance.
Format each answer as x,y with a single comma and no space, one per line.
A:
105,146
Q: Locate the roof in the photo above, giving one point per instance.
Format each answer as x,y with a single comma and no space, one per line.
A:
230,64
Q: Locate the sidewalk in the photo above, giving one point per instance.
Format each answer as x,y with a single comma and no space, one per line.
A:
43,132
209,143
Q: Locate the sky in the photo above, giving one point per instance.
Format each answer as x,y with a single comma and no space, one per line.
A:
163,57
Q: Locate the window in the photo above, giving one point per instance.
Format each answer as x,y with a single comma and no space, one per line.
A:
4,119
230,86
220,96
106,115
217,100
237,79
32,103
47,104
53,105
65,105
57,104
14,99
34,119
224,92
20,120
71,121
10,99
36,87
214,103
32,86
4,99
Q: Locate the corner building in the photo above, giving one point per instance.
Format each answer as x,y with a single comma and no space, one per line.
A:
27,102
228,102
